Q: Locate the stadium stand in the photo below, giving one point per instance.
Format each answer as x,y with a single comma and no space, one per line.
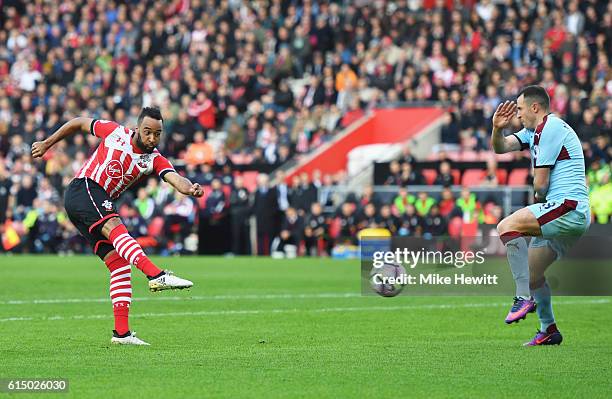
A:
266,82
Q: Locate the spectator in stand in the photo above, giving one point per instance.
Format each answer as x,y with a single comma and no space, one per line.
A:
596,172
5,192
309,193
449,134
179,217
134,222
435,224
469,206
601,148
387,220
490,179
316,181
181,134
43,223
203,110
206,174
283,191
412,222
492,214
395,174
367,217
225,65
199,152
410,177
407,156
588,130
423,203
295,193
144,204
369,197
239,208
26,194
325,197
444,177
213,226
265,208
316,229
348,225
292,228
402,201
601,200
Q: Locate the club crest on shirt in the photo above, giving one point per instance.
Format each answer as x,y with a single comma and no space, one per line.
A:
114,169
145,162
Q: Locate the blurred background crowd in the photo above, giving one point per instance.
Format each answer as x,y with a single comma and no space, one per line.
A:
249,87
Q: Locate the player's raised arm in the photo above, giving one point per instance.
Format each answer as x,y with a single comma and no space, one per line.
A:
69,128
183,185
501,119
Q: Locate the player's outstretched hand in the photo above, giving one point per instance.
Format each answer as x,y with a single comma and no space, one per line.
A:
504,114
196,190
38,149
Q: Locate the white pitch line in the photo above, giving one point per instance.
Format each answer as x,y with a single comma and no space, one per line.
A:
296,310
182,298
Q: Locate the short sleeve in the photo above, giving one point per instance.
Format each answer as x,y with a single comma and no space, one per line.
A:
102,128
523,138
549,146
162,166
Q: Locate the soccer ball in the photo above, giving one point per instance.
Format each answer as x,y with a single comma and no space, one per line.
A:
379,282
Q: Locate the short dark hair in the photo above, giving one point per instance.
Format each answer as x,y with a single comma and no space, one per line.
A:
536,94
151,112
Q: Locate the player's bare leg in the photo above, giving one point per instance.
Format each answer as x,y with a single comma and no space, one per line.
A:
540,258
512,231
128,249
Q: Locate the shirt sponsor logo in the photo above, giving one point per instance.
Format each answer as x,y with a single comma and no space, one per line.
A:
114,169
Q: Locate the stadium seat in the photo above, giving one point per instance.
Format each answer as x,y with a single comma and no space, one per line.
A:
469,231
475,177
456,176
155,229
250,180
472,177
156,226
502,176
518,177
429,175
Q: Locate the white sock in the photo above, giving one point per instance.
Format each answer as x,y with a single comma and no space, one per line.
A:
517,252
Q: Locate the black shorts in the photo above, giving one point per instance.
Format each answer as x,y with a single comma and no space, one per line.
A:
88,206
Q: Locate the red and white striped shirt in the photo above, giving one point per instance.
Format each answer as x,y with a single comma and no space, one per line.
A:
116,164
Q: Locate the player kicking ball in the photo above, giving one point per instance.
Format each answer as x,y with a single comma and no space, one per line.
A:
561,213
123,157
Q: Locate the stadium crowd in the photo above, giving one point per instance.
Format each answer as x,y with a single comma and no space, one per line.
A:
260,83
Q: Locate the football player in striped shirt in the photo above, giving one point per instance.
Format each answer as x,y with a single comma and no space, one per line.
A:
122,158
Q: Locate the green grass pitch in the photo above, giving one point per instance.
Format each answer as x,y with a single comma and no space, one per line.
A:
286,329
